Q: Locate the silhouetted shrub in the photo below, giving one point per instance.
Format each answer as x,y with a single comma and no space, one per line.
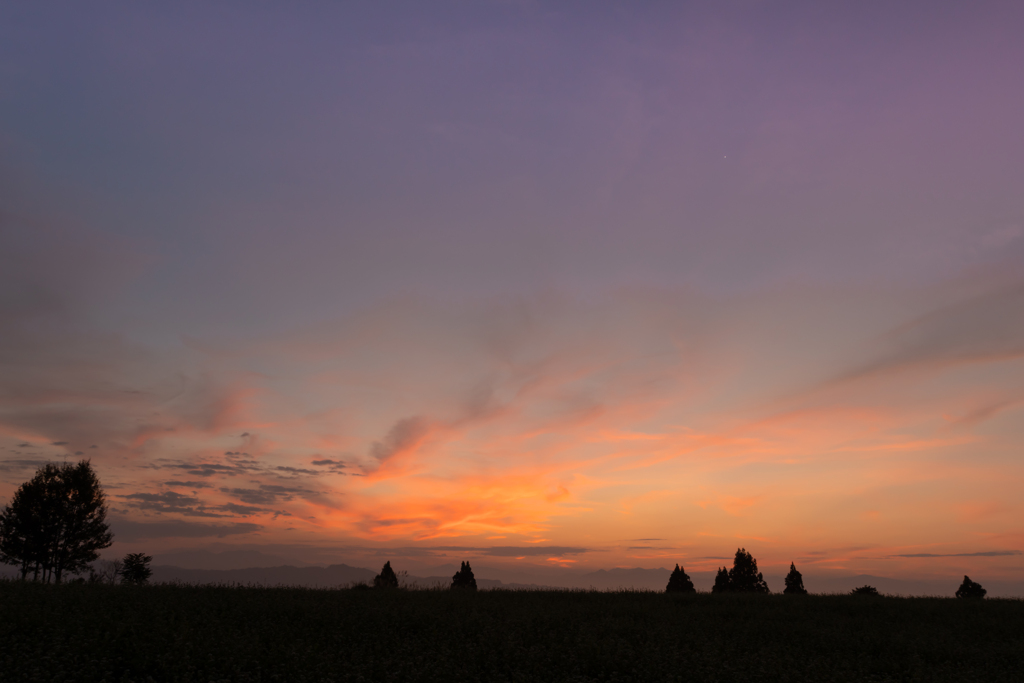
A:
135,569
679,582
794,582
464,578
865,590
721,581
386,578
744,577
970,589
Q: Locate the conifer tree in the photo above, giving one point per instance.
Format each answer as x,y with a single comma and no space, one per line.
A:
794,582
744,577
464,578
386,578
721,581
679,582
970,589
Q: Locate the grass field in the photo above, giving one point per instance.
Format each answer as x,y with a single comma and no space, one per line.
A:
187,633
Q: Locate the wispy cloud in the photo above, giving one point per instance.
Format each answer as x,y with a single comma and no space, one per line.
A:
487,551
132,531
403,437
984,553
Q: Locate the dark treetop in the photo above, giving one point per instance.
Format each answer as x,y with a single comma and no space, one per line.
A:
970,589
742,578
135,569
464,577
794,582
679,582
387,577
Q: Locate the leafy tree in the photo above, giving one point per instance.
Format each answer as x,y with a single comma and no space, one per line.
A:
55,523
744,577
135,569
794,582
721,581
865,590
679,582
464,578
386,578
970,589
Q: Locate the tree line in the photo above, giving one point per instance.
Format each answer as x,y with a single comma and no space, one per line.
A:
56,523
463,579
745,578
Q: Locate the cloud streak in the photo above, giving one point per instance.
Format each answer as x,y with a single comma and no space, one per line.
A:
985,553
131,531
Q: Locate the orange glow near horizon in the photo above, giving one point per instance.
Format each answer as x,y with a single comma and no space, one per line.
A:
577,444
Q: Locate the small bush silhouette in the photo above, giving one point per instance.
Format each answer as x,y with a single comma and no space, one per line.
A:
865,590
721,581
135,569
679,582
464,578
386,578
794,582
970,589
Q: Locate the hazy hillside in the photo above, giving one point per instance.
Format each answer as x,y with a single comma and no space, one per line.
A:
544,577
318,577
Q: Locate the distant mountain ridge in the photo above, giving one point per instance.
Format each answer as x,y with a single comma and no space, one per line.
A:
333,576
225,559
286,575
637,578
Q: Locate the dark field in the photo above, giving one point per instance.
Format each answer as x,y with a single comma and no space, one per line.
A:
179,633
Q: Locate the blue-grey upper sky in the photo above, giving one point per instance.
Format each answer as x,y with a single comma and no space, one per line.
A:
260,154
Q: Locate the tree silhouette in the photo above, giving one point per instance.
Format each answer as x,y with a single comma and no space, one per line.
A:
679,582
386,578
721,581
744,577
135,569
794,582
464,578
865,590
970,589
55,523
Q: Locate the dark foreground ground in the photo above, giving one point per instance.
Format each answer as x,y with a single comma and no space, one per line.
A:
181,633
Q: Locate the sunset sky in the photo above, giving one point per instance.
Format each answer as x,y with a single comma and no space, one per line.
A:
566,284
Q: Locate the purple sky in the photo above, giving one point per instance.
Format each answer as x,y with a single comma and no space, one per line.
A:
218,206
